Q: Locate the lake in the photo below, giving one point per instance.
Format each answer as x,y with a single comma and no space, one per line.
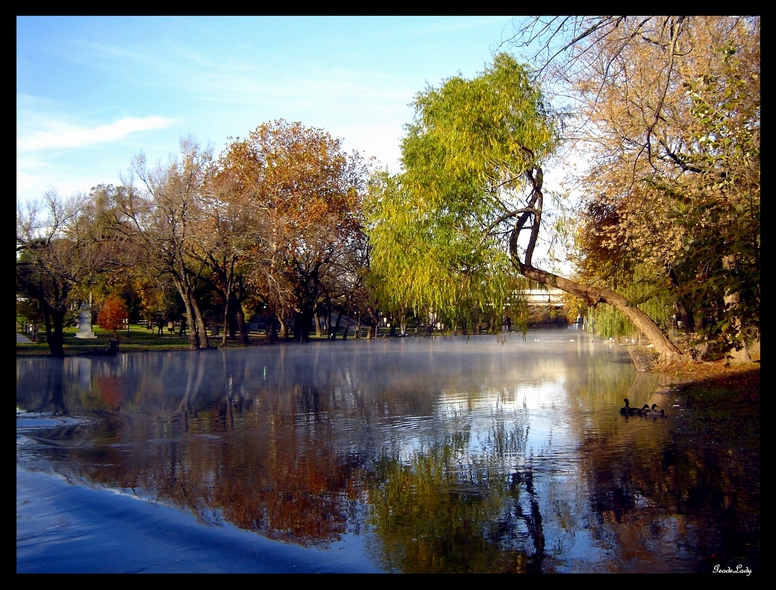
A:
440,455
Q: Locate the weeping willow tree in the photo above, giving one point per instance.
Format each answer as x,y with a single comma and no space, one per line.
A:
463,219
427,261
435,233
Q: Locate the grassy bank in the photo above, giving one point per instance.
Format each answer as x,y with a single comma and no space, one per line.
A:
715,382
138,339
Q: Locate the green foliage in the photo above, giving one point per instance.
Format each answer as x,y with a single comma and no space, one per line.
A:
28,310
648,292
432,516
430,260
435,230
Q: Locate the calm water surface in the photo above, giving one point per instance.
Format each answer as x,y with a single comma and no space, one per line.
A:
401,455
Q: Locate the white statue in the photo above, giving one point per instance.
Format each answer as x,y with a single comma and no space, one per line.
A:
85,322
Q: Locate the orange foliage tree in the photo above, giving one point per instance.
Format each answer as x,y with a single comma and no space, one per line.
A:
113,314
305,195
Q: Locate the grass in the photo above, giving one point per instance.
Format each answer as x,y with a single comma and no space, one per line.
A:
139,339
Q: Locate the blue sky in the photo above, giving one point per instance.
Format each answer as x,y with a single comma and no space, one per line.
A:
92,92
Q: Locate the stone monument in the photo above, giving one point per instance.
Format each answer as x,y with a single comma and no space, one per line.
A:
85,322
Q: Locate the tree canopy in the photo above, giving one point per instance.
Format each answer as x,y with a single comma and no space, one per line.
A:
305,193
437,229
56,254
470,201
668,117
113,314
165,217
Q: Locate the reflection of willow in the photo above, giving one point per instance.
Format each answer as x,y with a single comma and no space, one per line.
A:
443,511
601,380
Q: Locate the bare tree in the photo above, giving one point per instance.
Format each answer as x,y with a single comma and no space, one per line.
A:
166,219
55,253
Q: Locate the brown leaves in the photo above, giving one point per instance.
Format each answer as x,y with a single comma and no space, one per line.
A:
305,194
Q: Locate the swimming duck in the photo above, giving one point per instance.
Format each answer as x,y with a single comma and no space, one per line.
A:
653,411
642,411
628,411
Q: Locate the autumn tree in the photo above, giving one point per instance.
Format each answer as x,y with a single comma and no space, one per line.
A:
668,118
113,314
225,244
304,194
119,272
164,217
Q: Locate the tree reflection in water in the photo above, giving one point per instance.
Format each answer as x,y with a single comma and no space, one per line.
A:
445,512
475,464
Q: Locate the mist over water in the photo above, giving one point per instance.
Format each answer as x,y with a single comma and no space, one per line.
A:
401,455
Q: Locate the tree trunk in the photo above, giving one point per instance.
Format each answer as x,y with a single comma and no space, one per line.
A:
241,323
302,320
593,296
201,328
56,337
347,325
227,303
357,331
283,327
732,301
666,349
271,333
333,331
187,302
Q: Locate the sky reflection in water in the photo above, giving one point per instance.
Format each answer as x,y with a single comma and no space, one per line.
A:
405,455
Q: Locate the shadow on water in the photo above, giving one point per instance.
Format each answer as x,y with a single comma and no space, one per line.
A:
404,456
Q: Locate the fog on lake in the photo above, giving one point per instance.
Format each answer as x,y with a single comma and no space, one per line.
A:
447,454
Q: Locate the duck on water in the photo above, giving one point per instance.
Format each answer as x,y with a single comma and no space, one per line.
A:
644,410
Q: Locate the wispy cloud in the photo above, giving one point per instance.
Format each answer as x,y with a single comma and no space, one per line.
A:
58,135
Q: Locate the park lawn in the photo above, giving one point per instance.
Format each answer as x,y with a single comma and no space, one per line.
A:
139,339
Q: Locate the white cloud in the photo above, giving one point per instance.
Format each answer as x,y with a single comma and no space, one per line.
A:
58,135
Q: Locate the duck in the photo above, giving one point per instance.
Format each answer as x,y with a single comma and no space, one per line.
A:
642,411
655,413
628,411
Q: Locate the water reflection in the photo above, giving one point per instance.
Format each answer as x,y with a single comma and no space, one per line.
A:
446,455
